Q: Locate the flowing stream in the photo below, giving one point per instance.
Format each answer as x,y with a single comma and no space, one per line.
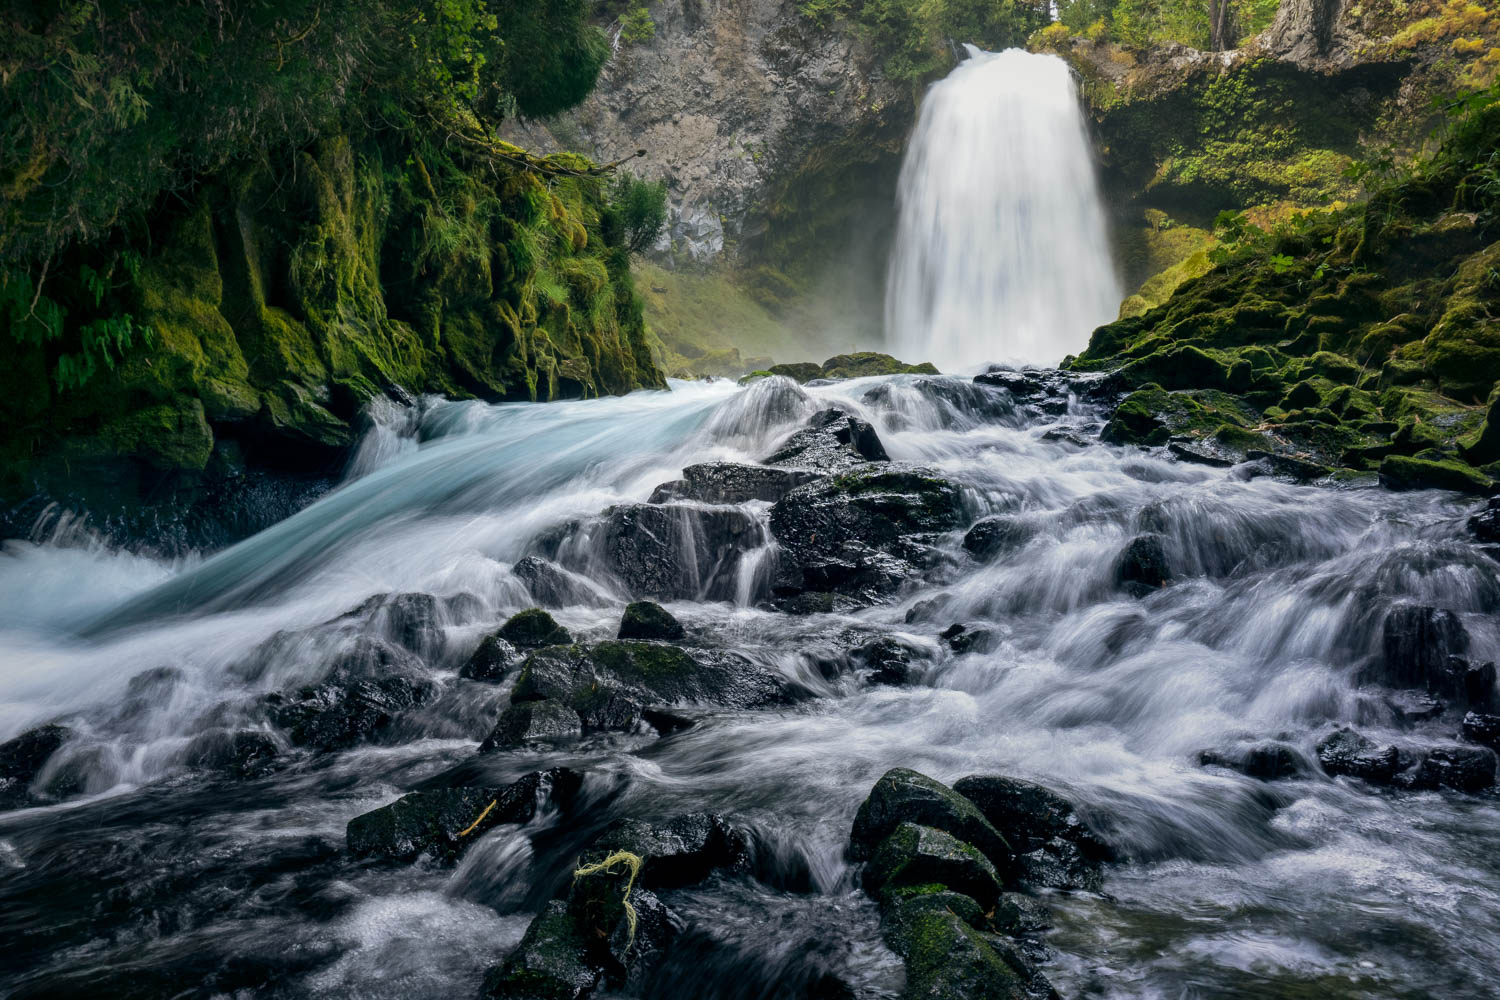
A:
161,880
1000,252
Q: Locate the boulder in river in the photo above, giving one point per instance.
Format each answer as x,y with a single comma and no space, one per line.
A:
679,852
1480,728
831,441
22,759
491,661
1142,566
864,531
946,959
731,483
677,551
1347,752
1417,643
906,796
649,620
887,660
995,536
1484,524
533,628
551,586
246,753
913,856
1266,760
1053,846
611,684
1460,767
544,720
341,712
445,821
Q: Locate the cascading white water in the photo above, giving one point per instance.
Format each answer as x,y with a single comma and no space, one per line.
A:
1001,252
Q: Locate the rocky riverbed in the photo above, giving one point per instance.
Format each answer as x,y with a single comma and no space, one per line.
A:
904,685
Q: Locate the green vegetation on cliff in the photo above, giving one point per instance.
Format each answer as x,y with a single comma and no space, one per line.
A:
1367,337
233,224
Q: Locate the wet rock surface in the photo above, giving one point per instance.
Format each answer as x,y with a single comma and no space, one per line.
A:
22,759
649,620
730,483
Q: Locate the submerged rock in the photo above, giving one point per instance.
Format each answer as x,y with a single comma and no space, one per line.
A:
246,753
337,715
554,587
996,536
443,822
22,760
1266,761
1462,768
491,661
649,620
1484,525
887,660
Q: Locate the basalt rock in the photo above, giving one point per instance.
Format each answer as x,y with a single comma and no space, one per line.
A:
246,753
1053,846
906,796
731,483
963,638
1266,761
540,721
649,620
533,629
1418,644
680,852
863,531
337,715
914,855
1143,566
611,684
832,441
1482,729
1462,768
886,660
1484,525
1346,751
996,536
491,661
552,586
443,822
22,759
678,552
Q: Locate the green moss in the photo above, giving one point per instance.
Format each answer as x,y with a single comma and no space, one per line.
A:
1402,473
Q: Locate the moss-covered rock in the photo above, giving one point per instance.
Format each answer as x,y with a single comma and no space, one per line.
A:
914,855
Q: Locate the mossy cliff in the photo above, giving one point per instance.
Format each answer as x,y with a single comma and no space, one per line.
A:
1366,338
282,296
1272,127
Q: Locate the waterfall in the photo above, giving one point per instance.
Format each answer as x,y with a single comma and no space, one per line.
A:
1000,253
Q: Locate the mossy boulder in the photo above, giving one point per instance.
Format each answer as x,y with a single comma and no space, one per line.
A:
533,628
914,855
649,620
906,796
949,960
1399,472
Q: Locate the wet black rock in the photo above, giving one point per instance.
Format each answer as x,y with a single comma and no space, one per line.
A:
491,661
1020,914
551,586
866,530
1417,643
831,441
533,629
1478,685
649,620
680,852
887,660
540,721
678,552
1485,524
245,753
1482,729
610,684
963,638
996,536
338,714
1346,752
1462,768
731,483
902,907
1143,566
914,855
588,938
1043,392
1411,707
22,759
413,621
1266,760
1054,848
906,796
443,822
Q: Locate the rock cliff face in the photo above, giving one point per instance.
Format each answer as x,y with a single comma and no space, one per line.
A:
731,99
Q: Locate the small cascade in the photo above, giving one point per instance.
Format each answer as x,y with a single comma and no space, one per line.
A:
1001,251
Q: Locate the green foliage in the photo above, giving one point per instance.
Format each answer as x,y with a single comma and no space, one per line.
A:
1143,23
919,36
636,24
636,214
